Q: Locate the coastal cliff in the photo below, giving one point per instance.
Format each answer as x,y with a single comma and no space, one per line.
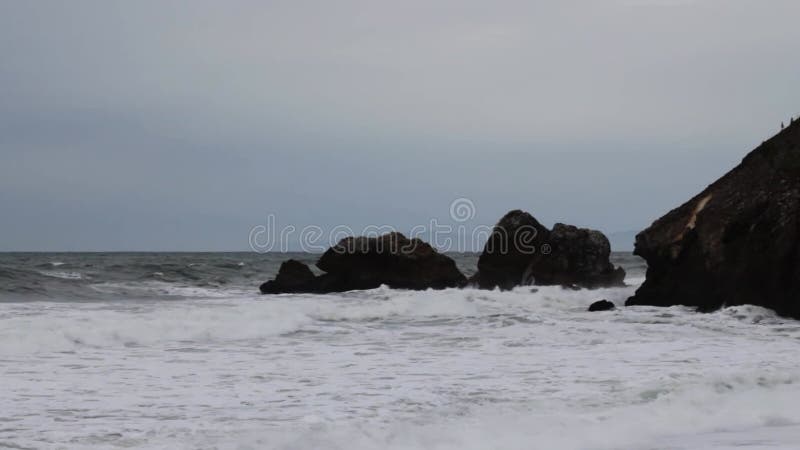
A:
736,242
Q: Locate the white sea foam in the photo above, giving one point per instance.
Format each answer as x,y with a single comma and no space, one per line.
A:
451,369
70,327
724,413
146,289
62,275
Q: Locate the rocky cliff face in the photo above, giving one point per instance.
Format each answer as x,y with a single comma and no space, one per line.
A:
736,242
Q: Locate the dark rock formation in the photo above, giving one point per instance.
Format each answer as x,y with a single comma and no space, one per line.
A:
521,251
368,262
391,259
578,256
601,305
293,276
737,242
514,244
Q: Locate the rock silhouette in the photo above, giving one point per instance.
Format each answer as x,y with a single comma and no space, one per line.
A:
293,276
602,305
736,242
521,251
369,262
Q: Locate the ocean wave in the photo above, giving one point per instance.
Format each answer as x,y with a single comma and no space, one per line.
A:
383,368
714,413
69,277
38,329
62,275
385,303
156,289
395,369
752,314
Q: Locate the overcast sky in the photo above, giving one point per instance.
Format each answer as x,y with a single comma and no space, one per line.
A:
166,125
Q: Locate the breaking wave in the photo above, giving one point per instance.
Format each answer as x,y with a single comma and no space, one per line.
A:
184,352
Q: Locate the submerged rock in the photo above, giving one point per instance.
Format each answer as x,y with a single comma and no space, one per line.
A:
369,262
521,251
602,305
737,242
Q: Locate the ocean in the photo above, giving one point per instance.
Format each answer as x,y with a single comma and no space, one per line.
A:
179,350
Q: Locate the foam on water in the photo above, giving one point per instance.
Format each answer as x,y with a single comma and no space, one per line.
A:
741,414
160,364
46,328
161,289
62,275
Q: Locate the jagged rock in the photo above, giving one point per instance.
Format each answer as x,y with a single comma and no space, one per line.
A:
737,242
521,251
293,276
514,244
579,257
391,259
602,305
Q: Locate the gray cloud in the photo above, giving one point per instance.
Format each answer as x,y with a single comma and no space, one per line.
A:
178,125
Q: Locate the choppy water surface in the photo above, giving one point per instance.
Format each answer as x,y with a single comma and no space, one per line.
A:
179,351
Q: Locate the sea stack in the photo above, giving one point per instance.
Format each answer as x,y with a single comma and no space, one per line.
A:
737,242
368,262
293,276
522,251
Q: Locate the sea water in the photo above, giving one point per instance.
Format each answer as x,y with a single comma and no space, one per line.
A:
180,351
